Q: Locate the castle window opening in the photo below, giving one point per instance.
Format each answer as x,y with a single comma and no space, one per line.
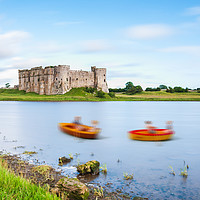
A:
76,78
66,79
104,80
56,79
104,75
38,79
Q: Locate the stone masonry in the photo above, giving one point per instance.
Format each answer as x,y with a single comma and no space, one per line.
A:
60,79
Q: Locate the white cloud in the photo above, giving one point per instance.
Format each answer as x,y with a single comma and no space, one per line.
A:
149,31
193,11
10,43
195,50
93,46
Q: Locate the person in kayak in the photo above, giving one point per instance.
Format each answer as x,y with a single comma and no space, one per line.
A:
149,127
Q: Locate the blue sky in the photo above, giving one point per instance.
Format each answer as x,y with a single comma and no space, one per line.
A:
148,42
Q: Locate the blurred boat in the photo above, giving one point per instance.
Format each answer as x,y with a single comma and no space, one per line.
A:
144,135
83,131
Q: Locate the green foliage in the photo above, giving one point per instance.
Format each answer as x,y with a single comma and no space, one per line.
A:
184,172
77,92
128,176
172,170
104,168
117,90
98,192
111,94
180,89
129,85
170,90
177,89
12,91
162,86
16,187
29,152
7,85
134,90
153,89
90,90
100,94
71,156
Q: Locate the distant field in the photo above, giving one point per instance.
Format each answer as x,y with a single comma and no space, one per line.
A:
79,94
162,95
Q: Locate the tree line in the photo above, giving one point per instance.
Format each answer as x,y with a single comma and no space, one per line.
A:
131,89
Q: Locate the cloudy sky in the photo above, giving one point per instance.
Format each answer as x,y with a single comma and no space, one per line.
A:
148,42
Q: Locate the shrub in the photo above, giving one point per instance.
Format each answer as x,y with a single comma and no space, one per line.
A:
134,89
116,89
90,90
100,94
111,94
152,89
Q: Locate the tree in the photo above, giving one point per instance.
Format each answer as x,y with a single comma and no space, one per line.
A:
162,86
170,90
7,85
129,85
139,88
134,89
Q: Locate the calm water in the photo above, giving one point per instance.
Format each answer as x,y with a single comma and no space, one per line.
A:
34,125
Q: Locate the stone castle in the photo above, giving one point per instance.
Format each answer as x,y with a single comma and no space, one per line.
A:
60,79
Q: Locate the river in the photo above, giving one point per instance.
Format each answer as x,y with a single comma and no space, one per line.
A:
34,126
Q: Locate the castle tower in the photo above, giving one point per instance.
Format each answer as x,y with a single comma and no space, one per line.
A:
100,78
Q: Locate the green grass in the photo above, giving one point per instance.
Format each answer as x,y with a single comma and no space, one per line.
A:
79,94
15,187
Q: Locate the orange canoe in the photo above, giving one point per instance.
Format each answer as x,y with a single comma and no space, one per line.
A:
143,134
85,132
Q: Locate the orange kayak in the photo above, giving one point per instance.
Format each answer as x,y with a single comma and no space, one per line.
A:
144,135
84,131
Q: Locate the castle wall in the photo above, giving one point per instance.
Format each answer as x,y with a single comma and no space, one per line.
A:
60,79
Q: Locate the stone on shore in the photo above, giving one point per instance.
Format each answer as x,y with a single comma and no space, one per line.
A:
90,167
63,160
71,188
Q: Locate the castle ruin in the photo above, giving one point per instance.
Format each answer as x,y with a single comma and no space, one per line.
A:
60,79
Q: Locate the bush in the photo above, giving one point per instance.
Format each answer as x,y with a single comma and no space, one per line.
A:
152,89
162,86
116,89
111,94
170,90
134,89
100,94
90,90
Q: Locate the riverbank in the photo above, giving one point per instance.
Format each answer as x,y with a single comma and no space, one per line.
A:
79,94
22,180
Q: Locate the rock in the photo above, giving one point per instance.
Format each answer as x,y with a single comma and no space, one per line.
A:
90,167
71,188
63,160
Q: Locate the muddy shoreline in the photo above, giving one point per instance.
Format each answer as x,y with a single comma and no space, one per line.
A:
48,178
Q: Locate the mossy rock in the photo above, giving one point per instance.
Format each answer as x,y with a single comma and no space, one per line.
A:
90,167
71,188
63,160
42,169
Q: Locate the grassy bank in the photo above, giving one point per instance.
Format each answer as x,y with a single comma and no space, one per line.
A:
16,187
79,94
